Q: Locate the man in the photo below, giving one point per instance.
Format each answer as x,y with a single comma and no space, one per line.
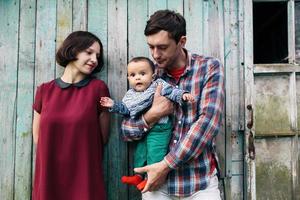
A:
190,168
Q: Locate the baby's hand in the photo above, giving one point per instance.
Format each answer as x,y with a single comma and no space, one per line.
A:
106,102
188,97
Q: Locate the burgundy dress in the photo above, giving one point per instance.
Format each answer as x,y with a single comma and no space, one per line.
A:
69,149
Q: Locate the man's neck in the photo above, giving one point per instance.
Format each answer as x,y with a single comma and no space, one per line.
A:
180,62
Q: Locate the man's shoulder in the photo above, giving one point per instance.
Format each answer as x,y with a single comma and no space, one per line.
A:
203,60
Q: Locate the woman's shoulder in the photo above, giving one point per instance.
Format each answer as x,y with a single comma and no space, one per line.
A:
47,84
98,82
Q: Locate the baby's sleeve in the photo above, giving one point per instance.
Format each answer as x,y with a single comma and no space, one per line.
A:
37,104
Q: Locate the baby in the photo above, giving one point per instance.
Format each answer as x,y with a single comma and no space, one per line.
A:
137,100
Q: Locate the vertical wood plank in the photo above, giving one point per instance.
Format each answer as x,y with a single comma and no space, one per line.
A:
176,5
45,41
291,32
25,100
117,83
97,24
193,13
8,67
44,47
154,5
137,46
63,27
294,147
137,18
79,15
249,172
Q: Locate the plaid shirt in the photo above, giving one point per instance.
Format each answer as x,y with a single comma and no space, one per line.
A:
192,150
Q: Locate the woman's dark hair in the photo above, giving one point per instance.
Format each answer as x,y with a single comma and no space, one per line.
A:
167,20
75,43
141,58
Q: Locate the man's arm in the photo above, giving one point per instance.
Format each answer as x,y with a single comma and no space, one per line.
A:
204,130
134,129
199,136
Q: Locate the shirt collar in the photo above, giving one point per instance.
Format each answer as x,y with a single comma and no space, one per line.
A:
188,65
79,84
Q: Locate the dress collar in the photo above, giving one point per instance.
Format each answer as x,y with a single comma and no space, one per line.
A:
79,84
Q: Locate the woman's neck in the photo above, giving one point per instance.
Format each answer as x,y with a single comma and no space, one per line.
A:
72,75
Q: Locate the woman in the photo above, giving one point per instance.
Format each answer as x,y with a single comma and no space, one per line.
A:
70,127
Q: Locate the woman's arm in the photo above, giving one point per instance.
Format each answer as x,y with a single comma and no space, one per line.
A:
104,120
36,126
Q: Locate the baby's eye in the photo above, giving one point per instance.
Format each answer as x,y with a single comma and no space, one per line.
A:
132,75
143,73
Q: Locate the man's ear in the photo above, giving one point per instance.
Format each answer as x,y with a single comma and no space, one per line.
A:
182,41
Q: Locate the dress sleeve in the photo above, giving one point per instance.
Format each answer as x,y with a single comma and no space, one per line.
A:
37,104
104,92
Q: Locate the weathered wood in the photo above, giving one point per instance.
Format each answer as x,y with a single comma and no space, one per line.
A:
44,46
193,13
79,15
97,24
63,27
275,68
154,5
137,46
25,95
117,61
273,167
8,99
249,173
176,5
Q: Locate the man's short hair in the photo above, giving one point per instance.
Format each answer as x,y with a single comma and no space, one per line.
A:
167,20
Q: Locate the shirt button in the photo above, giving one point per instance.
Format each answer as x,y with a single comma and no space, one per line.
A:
174,141
176,86
145,129
179,122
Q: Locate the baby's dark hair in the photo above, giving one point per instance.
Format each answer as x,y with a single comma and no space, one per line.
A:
141,58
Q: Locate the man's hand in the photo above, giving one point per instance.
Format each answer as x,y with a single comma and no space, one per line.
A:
161,107
157,174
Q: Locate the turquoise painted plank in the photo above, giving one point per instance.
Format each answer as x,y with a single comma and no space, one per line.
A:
97,24
63,27
137,46
154,5
25,95
117,83
45,47
193,13
176,5
45,41
137,18
8,66
79,15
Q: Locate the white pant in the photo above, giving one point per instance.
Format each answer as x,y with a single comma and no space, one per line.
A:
212,192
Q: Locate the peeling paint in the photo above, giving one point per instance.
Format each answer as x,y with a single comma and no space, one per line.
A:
274,181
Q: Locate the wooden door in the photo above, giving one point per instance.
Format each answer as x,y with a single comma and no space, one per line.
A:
272,104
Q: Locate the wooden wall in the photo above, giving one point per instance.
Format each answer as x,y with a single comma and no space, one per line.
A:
32,30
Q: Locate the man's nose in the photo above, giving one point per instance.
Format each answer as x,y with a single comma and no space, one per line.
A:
156,53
